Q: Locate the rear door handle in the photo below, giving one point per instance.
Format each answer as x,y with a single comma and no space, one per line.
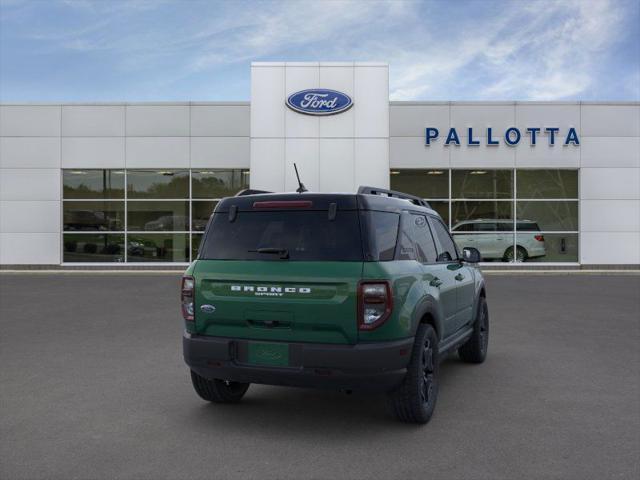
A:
459,277
436,282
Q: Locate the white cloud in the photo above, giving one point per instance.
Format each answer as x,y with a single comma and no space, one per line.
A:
280,28
479,50
545,51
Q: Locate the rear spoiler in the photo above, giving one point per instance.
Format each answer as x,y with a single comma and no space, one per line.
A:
364,190
250,191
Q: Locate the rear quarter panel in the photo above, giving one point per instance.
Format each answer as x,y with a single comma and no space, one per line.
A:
406,279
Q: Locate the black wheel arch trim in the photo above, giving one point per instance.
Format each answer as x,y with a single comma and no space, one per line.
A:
480,289
427,306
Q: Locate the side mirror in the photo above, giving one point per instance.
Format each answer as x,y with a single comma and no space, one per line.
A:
471,255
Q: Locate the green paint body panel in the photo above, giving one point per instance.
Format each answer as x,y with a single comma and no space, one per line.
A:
328,312
286,311
405,277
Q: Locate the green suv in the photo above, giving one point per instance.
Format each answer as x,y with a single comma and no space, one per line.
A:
354,292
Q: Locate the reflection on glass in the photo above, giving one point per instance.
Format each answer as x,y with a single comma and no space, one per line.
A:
157,183
432,183
554,215
482,183
486,211
196,238
442,208
200,212
547,183
89,184
218,183
494,246
94,215
157,216
78,247
548,247
158,247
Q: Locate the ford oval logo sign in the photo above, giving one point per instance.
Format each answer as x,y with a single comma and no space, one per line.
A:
319,101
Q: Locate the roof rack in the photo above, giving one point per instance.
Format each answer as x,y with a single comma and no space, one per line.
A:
250,191
392,193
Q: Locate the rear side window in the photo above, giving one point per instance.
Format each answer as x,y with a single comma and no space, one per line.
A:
382,234
304,235
528,227
406,239
446,249
485,227
426,249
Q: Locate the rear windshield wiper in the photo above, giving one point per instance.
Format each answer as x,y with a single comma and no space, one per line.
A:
283,252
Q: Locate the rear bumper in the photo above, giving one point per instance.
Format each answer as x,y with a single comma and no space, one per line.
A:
379,366
537,251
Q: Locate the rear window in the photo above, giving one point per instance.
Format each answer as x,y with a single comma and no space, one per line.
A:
304,235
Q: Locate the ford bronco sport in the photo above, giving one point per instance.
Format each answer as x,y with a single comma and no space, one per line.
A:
361,291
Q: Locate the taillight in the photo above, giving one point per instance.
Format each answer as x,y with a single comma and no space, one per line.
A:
539,238
187,297
375,303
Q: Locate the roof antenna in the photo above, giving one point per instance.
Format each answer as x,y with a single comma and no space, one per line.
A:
301,188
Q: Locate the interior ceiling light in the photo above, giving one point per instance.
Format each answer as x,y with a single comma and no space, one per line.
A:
435,172
478,172
395,172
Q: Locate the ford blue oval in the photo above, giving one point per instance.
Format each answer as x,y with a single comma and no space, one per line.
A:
319,101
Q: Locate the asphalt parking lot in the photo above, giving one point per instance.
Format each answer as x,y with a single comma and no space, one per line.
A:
92,385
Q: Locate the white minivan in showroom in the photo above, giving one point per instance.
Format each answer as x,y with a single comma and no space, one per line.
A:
494,239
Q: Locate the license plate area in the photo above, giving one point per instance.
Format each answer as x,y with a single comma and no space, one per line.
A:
268,354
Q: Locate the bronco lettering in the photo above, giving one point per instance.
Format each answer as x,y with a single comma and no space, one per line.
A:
275,289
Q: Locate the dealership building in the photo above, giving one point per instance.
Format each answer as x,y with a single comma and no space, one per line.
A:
545,183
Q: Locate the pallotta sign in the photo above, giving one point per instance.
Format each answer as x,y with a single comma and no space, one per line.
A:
512,136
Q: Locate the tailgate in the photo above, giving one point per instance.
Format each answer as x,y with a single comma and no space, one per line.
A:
295,301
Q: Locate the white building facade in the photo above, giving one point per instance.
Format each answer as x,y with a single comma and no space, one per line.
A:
551,183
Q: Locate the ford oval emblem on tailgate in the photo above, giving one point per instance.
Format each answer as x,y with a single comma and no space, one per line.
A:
208,308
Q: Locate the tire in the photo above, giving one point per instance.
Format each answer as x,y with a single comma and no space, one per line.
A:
218,391
521,255
475,349
415,399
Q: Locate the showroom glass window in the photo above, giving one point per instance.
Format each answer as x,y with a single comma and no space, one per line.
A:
510,215
140,215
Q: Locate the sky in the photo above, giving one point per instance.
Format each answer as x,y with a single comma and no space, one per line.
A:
150,50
